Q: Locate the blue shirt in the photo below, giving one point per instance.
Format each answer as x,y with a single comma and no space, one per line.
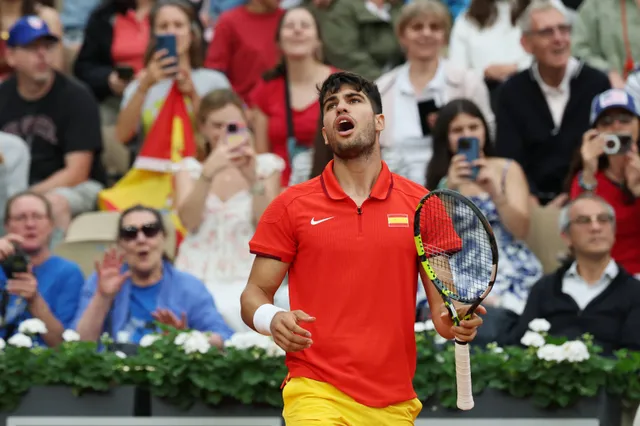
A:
177,291
60,283
75,13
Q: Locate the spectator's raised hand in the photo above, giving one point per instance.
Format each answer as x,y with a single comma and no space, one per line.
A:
459,172
7,245
110,275
116,84
166,317
592,148
244,158
185,82
487,178
23,284
160,67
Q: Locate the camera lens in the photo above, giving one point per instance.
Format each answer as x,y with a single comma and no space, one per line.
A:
611,144
232,128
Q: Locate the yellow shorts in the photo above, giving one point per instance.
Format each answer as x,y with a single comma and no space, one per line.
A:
313,403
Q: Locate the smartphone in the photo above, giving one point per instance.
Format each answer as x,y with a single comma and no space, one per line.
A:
236,136
470,148
125,72
167,42
425,108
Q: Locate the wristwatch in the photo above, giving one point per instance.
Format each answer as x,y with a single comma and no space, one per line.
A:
585,186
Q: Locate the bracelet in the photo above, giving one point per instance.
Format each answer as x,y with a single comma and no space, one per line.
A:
585,186
263,316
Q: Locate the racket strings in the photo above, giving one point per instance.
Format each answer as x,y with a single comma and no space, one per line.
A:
457,245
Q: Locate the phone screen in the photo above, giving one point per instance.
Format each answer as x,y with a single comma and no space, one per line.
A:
470,148
425,108
167,42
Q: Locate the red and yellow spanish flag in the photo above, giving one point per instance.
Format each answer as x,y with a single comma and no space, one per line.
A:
150,180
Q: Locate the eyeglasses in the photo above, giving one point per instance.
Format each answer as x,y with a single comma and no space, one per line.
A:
609,119
149,230
548,32
602,219
36,217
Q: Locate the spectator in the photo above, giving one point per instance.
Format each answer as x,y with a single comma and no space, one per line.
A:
10,12
500,192
117,35
543,133
50,290
128,292
57,117
359,36
486,39
242,45
74,17
616,177
144,96
456,7
591,294
423,29
14,169
607,36
297,76
220,200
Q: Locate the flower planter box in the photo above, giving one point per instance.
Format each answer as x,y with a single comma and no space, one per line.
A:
223,415
59,401
496,408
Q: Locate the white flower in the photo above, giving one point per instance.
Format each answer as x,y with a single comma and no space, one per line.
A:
123,336
121,354
196,342
429,326
550,352
70,336
251,339
575,351
539,325
498,350
148,340
32,326
20,340
420,327
181,338
3,344
439,340
531,338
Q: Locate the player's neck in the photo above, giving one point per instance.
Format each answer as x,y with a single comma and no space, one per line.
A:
357,177
591,269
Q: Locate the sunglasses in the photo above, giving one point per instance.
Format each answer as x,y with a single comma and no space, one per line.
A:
149,230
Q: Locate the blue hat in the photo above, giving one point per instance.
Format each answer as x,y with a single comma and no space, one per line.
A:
28,29
613,98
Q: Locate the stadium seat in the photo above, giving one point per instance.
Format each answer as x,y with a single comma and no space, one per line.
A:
544,237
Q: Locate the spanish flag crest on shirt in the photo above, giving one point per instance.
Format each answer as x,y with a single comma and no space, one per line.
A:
150,180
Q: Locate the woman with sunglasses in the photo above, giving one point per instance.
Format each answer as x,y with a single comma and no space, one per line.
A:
130,291
608,164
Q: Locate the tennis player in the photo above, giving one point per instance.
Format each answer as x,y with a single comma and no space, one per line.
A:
345,239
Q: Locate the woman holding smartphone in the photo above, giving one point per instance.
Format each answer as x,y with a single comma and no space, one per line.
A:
221,198
500,191
175,53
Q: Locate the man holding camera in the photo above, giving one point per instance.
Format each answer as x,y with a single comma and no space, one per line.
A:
609,166
33,283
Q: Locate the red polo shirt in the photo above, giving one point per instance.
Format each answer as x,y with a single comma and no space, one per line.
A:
356,271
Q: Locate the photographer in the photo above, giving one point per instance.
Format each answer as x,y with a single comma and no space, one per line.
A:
34,283
608,165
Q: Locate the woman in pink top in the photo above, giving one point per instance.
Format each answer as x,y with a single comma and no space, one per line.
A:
299,40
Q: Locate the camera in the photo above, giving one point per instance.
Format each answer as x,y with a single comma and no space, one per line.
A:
617,144
16,263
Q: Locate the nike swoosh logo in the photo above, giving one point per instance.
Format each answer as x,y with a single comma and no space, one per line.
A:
315,222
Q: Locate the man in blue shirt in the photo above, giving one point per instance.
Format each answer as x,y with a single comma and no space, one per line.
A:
50,289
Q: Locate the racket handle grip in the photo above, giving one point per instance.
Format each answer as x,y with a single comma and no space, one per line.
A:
463,377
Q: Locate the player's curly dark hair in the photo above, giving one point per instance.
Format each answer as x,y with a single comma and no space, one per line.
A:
336,81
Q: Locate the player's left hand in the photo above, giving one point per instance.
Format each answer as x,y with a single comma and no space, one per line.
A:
467,330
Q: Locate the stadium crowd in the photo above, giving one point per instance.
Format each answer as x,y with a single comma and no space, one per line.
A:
548,89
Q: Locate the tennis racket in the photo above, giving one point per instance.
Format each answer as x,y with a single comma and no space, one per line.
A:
458,251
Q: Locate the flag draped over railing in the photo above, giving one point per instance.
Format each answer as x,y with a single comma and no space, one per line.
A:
150,180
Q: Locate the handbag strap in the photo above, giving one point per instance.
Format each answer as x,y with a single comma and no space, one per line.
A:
287,99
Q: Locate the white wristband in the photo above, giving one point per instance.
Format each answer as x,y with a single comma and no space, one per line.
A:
263,317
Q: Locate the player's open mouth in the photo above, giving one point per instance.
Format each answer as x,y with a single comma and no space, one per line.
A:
344,125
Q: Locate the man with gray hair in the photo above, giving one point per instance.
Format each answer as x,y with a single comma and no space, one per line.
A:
543,111
591,293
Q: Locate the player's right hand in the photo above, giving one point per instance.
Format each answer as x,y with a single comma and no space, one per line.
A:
288,334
